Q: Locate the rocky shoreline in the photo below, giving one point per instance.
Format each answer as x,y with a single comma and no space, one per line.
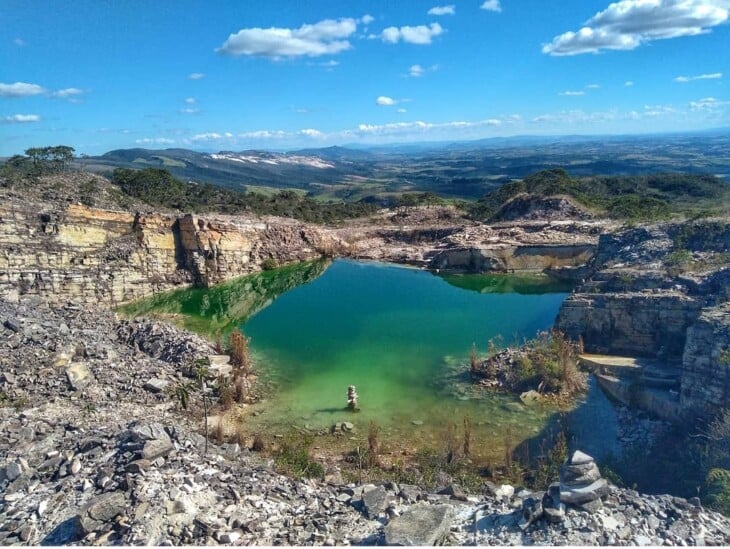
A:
92,453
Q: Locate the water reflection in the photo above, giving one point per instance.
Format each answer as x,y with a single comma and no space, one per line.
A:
505,284
225,306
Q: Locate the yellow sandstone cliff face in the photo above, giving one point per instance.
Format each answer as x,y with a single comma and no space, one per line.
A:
106,258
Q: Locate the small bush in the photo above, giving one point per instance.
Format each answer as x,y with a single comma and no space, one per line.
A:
269,264
293,459
240,354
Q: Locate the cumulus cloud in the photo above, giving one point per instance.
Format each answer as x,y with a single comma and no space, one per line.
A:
367,19
422,34
442,10
685,79
570,93
20,89
626,24
629,83
72,94
593,86
492,5
311,132
190,100
154,141
326,37
402,111
196,76
212,136
21,118
189,110
385,101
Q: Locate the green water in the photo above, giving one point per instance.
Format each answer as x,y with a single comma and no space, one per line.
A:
402,336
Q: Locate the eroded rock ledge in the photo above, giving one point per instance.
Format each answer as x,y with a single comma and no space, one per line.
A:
661,293
102,257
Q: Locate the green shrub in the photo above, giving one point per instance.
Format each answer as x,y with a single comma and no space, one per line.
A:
269,264
292,457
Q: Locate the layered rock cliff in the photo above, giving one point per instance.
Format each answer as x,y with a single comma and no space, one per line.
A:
108,257
660,292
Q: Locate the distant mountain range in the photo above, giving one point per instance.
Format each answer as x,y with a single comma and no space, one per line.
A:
465,169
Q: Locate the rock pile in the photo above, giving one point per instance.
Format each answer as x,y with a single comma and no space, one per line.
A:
581,483
114,462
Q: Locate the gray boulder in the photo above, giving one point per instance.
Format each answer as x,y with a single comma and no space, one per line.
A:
582,494
422,524
78,375
375,501
99,511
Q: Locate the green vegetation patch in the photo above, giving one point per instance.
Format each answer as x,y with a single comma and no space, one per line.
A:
636,197
158,187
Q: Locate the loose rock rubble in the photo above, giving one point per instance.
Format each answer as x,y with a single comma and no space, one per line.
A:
108,459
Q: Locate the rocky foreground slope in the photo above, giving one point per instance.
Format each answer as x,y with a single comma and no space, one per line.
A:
93,452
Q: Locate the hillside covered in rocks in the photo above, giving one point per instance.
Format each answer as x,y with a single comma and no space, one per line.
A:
94,453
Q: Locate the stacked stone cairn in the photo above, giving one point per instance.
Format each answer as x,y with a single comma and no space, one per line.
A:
581,483
352,398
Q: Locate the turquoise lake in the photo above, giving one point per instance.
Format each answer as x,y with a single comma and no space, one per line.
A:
402,336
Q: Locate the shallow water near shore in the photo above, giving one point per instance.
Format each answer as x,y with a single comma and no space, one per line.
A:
402,336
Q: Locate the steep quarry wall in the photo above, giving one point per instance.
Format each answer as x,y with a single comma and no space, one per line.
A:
637,324
706,362
510,257
104,257
639,301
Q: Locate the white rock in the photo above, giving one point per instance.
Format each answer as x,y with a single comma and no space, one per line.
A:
505,490
229,537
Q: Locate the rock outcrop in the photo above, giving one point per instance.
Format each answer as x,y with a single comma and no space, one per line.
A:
660,292
102,257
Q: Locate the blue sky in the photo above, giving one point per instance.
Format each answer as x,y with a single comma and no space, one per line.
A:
99,75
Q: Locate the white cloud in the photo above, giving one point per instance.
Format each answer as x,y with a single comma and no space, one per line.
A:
570,93
492,5
420,127
190,100
710,104
196,76
20,89
264,134
367,19
212,136
311,132
422,34
402,110
416,70
385,101
593,86
629,83
20,42
626,24
21,118
442,10
326,37
69,93
154,141
685,79
189,110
